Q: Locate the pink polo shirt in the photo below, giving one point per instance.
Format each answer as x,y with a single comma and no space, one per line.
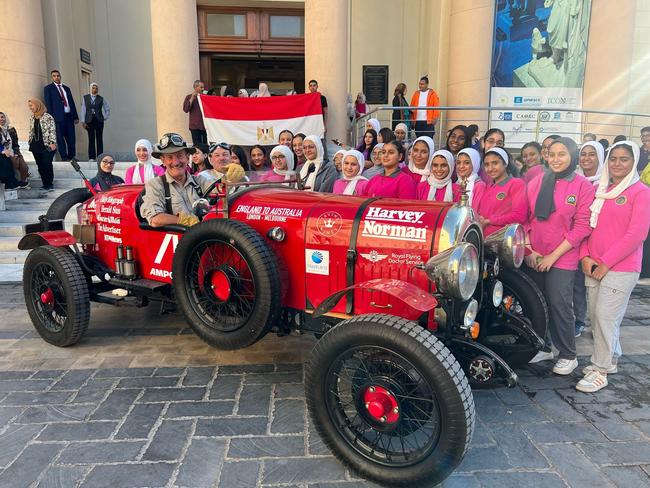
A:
423,192
271,175
341,184
503,204
416,177
477,193
622,227
570,221
532,173
397,185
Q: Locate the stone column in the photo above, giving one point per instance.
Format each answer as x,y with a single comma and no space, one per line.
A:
470,58
175,45
326,59
23,69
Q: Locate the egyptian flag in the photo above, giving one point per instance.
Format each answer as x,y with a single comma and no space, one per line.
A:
250,121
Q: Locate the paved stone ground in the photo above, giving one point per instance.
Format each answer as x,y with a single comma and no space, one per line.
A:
141,402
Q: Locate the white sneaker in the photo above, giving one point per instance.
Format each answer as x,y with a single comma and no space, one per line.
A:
588,369
594,381
565,366
541,356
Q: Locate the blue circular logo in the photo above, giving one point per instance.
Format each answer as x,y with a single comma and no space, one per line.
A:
317,257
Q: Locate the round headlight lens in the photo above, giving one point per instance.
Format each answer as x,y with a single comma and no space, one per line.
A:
468,272
470,314
497,293
496,267
518,246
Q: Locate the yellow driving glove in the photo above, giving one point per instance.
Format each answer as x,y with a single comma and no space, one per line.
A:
234,173
188,220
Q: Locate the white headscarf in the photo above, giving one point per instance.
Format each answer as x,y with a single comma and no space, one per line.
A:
148,164
242,93
601,192
500,152
600,154
402,126
446,182
476,166
263,91
427,168
375,124
288,155
378,146
340,151
351,186
317,162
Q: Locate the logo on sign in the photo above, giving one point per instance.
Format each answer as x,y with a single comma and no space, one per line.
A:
381,223
329,223
169,240
373,256
544,116
519,100
317,261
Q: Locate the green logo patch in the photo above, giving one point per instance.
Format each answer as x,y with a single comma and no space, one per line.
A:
571,200
501,195
622,200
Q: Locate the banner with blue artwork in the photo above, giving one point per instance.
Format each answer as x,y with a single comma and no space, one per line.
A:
538,66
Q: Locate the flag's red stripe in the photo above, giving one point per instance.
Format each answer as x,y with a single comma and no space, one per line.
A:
267,108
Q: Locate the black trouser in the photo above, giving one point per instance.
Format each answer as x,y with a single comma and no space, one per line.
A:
45,168
199,136
424,129
65,138
95,130
7,175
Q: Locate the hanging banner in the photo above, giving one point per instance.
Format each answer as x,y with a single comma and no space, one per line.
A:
250,121
538,65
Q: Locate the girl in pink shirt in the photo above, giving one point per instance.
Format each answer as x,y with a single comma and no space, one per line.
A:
282,163
144,170
438,186
611,256
419,160
394,183
504,199
531,154
468,164
351,182
559,203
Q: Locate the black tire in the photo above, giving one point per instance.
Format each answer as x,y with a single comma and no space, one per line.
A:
64,203
530,303
422,376
61,318
236,257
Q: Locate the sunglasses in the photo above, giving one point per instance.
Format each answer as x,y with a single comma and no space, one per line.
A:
171,139
222,145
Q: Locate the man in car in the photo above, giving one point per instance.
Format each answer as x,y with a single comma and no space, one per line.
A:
168,198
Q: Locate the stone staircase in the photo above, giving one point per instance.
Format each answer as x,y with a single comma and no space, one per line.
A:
32,203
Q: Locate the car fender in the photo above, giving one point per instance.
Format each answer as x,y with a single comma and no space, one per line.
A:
408,293
56,238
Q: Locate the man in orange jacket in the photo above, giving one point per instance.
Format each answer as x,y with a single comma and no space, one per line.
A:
425,120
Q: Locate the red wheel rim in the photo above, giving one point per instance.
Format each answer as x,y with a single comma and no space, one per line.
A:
47,297
221,286
381,404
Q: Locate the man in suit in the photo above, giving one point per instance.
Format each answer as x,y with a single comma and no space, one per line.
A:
94,112
61,106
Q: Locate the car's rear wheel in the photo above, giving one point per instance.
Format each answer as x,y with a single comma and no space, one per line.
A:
226,282
56,295
390,400
521,297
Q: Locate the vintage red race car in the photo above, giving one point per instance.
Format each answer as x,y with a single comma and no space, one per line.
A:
408,303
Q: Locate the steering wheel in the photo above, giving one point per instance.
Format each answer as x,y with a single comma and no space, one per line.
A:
213,200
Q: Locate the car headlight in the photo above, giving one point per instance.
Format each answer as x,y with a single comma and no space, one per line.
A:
509,244
455,271
470,314
497,293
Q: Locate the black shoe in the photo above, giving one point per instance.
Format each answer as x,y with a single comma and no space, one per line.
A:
23,185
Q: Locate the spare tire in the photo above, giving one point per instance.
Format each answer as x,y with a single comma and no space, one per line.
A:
227,284
64,203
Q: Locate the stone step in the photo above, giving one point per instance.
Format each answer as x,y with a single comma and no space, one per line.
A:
13,257
9,243
29,204
9,229
35,192
68,183
69,173
86,166
21,216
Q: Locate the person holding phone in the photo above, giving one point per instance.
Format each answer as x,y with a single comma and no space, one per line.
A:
611,257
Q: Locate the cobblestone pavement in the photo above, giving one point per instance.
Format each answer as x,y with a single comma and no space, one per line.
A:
142,402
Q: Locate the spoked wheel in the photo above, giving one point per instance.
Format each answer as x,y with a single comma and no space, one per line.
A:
56,295
227,283
521,297
390,400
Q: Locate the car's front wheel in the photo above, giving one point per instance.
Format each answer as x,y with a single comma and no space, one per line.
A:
390,400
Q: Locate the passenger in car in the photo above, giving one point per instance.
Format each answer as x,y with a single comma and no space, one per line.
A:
351,181
104,179
324,174
419,161
283,165
468,164
144,169
504,200
438,186
394,183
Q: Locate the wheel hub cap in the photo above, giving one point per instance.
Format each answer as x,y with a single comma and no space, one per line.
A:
221,285
47,297
381,405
